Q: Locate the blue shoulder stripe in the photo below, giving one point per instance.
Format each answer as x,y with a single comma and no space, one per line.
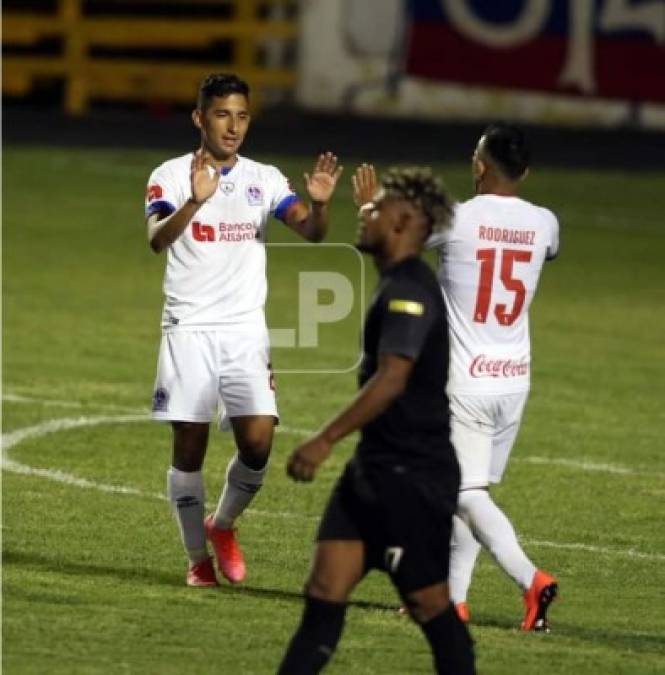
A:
160,206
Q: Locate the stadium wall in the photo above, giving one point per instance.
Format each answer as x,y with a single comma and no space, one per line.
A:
596,63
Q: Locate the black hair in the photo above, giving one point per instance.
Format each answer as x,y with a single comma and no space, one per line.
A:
507,146
220,85
420,187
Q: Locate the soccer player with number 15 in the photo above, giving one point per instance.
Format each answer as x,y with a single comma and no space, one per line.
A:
489,265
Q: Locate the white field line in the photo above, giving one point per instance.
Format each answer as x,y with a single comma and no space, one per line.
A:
584,465
596,550
18,398
14,438
578,464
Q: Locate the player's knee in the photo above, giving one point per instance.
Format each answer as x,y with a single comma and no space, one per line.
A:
188,461
468,502
254,446
426,604
189,445
325,588
254,456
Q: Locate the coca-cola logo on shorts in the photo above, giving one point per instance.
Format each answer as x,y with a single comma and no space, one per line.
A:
485,366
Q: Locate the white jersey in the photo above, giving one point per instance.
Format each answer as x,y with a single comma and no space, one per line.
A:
216,270
489,264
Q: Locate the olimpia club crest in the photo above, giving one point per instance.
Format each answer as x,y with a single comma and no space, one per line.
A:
160,400
254,195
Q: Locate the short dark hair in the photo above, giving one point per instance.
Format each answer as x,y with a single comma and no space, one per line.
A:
507,146
419,186
220,85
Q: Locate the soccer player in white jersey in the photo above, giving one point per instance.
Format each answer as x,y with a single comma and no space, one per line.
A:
209,211
489,264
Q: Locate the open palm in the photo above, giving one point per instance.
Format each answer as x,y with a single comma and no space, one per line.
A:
320,185
203,183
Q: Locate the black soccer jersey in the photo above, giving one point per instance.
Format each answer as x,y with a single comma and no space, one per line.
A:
408,317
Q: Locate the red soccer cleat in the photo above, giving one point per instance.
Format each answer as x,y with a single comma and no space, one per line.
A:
537,599
202,574
229,556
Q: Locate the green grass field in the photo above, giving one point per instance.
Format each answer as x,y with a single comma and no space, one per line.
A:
93,572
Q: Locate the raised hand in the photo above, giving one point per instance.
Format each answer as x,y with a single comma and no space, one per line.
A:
203,184
364,184
320,185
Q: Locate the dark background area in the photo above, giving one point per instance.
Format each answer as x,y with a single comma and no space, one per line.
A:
287,130
37,117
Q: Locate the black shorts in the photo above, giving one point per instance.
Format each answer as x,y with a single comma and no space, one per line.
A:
403,516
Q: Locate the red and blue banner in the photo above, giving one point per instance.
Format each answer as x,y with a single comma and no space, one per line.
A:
600,48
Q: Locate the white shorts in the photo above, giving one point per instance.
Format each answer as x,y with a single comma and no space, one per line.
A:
203,373
483,430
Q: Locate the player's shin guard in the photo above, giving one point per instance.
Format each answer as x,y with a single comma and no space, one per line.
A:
242,484
316,638
452,646
494,531
186,494
464,550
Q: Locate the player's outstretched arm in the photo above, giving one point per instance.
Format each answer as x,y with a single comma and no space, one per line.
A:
375,397
162,232
312,223
364,184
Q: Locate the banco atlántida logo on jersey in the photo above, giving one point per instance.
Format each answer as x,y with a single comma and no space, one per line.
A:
228,232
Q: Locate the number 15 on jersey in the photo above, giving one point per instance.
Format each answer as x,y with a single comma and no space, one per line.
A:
488,259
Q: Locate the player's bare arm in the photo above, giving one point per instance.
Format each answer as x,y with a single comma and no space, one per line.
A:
312,223
374,398
364,184
162,232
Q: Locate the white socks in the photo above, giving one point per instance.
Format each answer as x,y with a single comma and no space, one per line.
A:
187,496
464,550
186,493
242,483
493,530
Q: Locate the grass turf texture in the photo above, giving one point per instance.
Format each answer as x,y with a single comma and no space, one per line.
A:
94,581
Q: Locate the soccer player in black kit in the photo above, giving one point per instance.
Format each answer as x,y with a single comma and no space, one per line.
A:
392,507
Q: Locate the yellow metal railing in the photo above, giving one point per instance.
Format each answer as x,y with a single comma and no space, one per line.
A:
87,76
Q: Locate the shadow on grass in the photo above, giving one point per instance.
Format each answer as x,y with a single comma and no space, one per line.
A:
620,641
154,576
60,566
614,639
